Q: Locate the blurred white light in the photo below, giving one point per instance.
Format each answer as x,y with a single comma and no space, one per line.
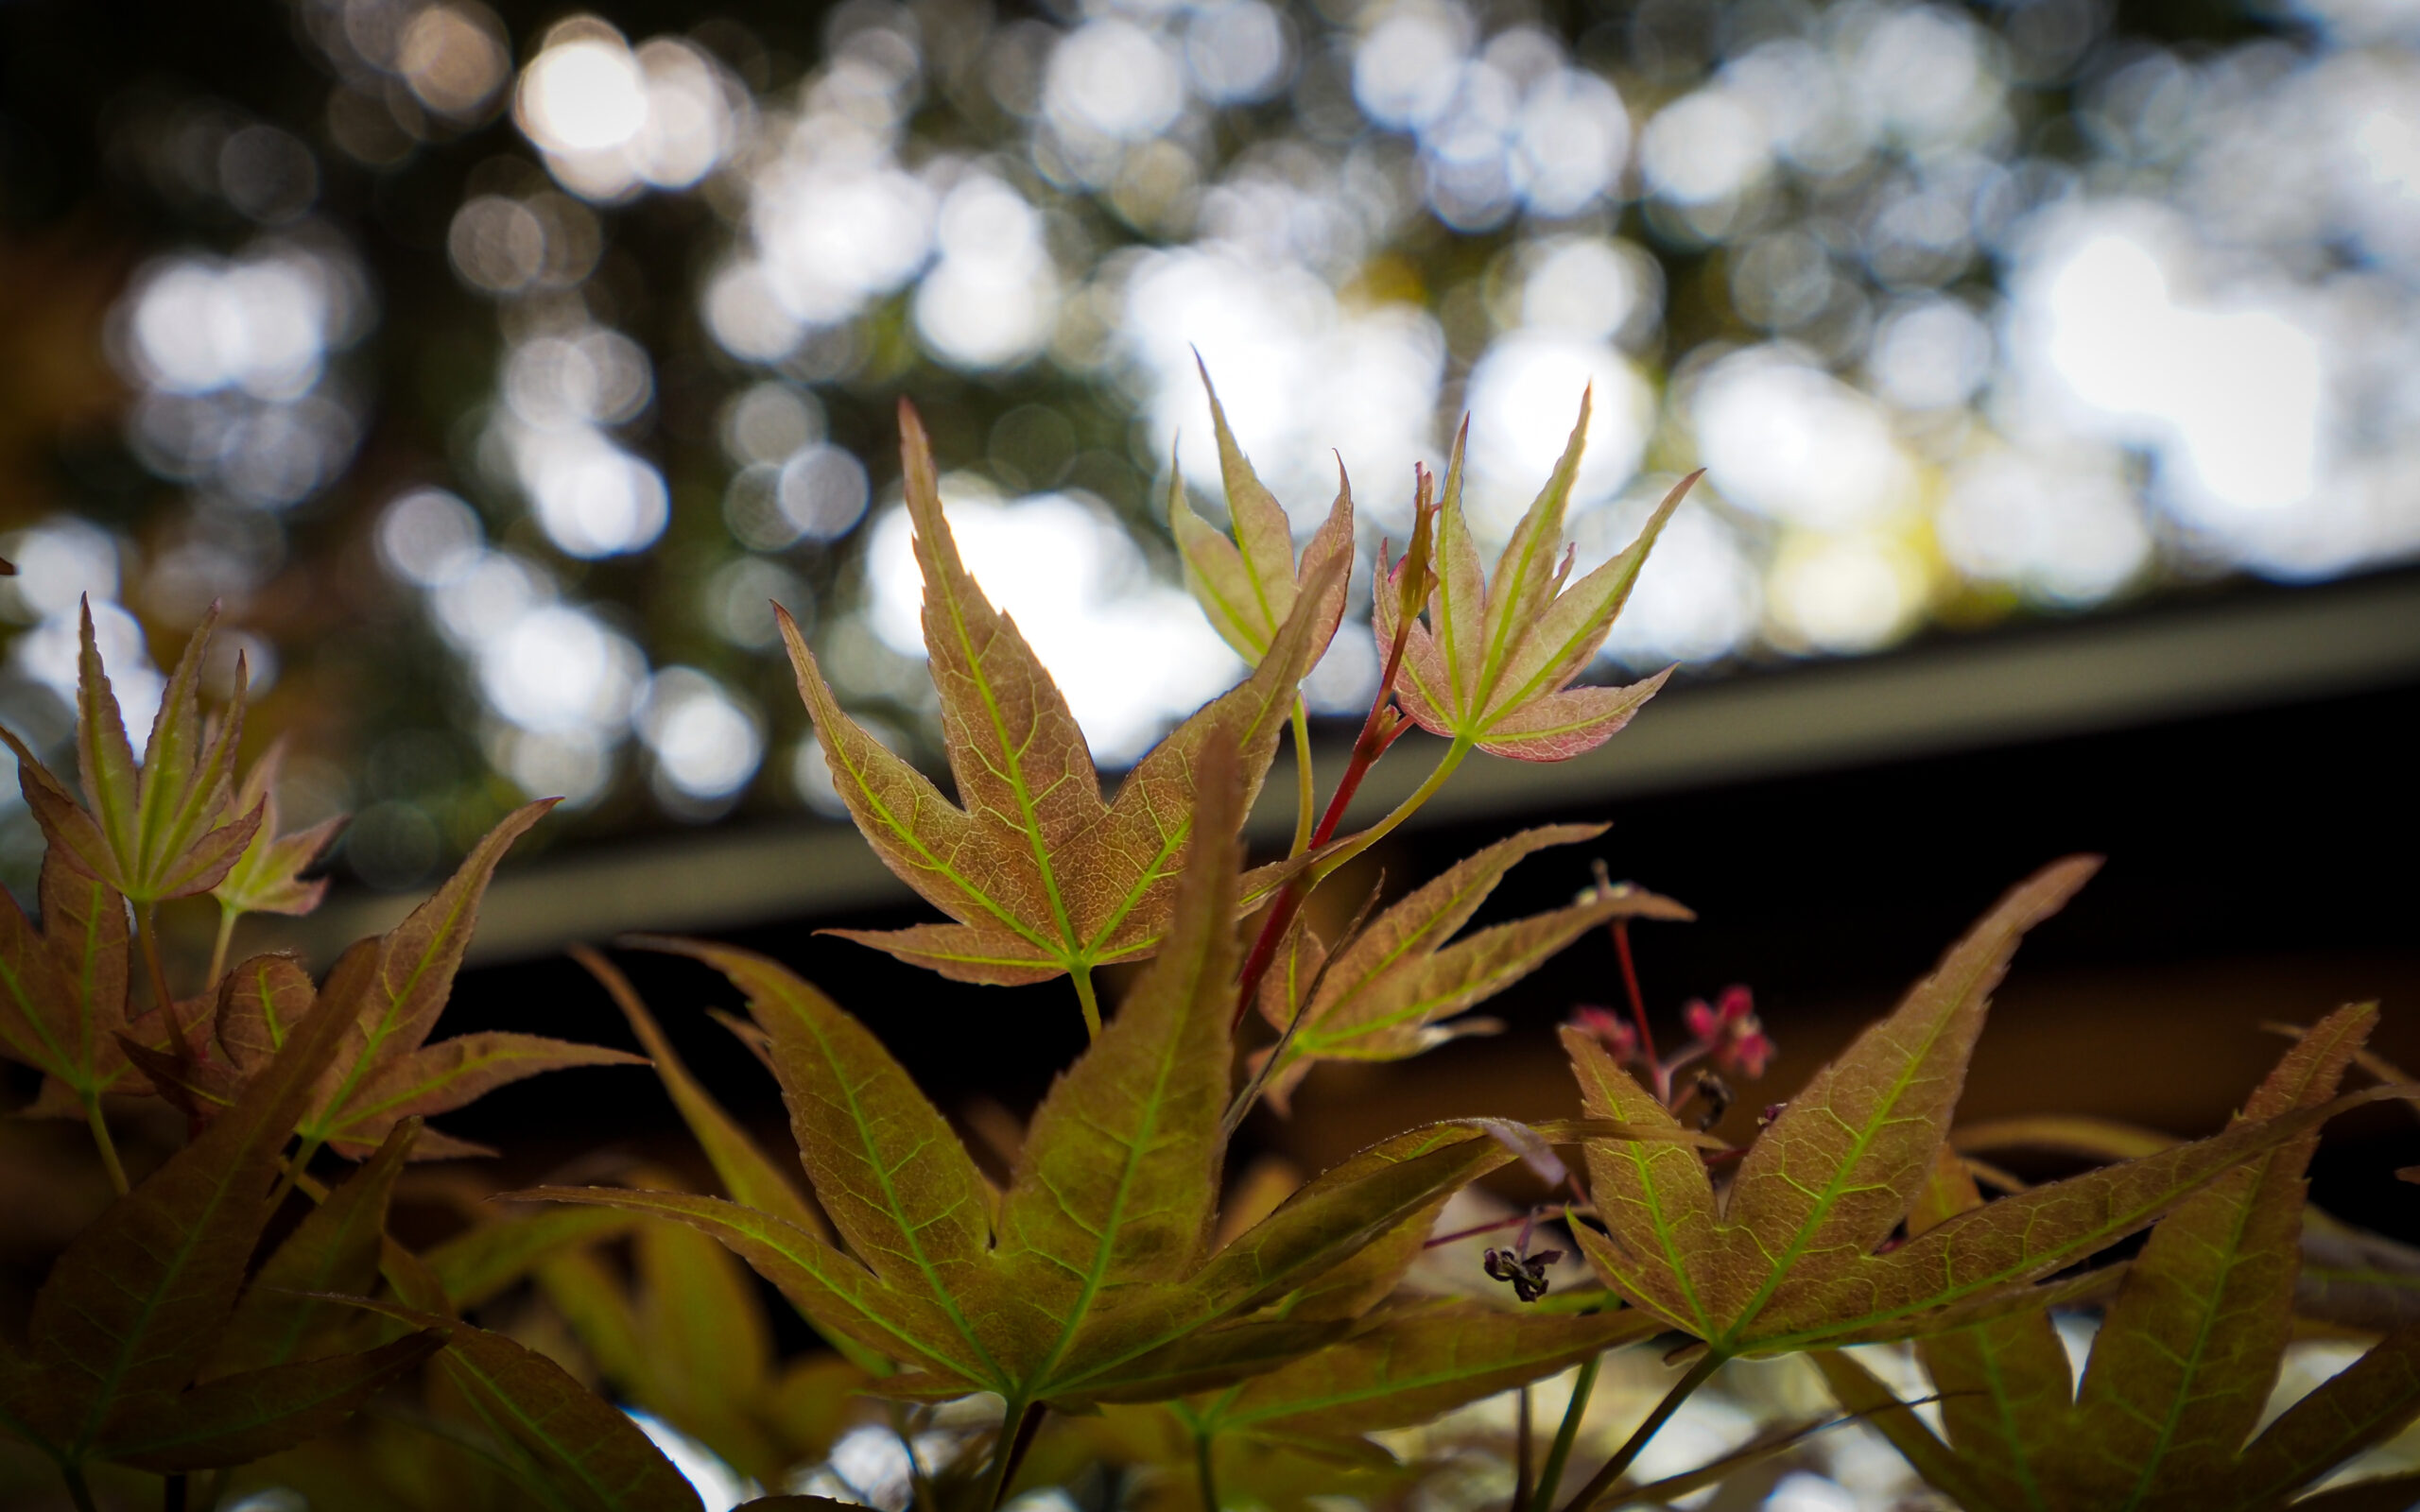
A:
498,244
585,377
769,421
1524,398
1235,50
49,654
1406,70
1573,138
822,491
2063,530
1920,72
573,766
1586,285
58,562
557,670
1803,1491
1790,441
1112,77
476,606
706,745
1301,379
834,236
453,57
1131,655
1703,147
748,317
689,125
593,498
740,599
429,537
2230,399
1846,593
583,94
992,299
262,324
1932,354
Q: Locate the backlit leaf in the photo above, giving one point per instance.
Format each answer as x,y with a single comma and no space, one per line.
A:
1423,1360
747,1173
1040,875
1383,995
2188,1353
1491,665
386,1070
266,877
476,1264
1248,585
1856,1388
2367,1402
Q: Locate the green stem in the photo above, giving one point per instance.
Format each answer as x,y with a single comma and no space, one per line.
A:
227,917
1404,810
1016,1431
1559,1457
78,1491
1205,1472
1681,1390
1082,976
1305,796
101,1139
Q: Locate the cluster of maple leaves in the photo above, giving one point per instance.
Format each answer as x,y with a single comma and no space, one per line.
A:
1086,1277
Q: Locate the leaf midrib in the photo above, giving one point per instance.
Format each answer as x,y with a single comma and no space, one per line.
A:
1862,1141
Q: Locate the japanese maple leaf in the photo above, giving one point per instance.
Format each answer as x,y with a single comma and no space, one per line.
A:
1491,666
1040,875
386,1070
267,877
167,829
63,989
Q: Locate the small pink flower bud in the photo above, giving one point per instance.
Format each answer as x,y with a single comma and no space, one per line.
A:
1736,1004
1611,1030
1704,1027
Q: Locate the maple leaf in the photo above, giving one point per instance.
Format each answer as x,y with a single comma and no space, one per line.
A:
2185,1358
1040,876
1383,996
267,878
165,830
142,1300
63,989
1491,668
1247,585
1794,1259
1094,1277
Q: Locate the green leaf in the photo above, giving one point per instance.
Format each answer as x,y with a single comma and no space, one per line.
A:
1837,1172
1857,1389
1207,1360
1248,585
2006,1388
2355,1278
1117,1184
886,1166
387,1071
479,1263
168,830
747,1173
571,1449
1040,875
266,877
1490,666
1419,1363
1383,995
1660,1247
2186,1357
236,1420
134,1305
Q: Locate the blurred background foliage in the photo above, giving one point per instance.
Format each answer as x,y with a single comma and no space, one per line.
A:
496,363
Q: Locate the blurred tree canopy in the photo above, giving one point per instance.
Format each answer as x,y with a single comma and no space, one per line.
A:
496,363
